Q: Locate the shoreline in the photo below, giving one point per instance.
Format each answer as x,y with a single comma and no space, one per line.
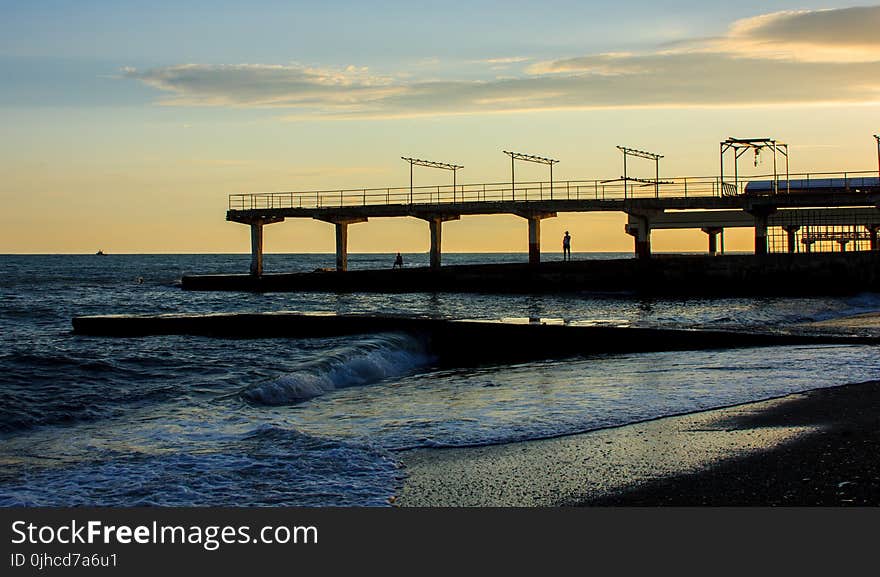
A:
815,448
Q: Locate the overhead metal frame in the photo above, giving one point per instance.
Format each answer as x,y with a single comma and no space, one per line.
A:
528,158
877,138
742,145
647,155
431,164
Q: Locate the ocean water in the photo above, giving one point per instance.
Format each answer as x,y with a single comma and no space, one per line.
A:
176,420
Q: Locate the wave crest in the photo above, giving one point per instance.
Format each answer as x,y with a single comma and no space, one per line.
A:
369,361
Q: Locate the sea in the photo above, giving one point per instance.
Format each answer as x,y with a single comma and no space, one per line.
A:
199,421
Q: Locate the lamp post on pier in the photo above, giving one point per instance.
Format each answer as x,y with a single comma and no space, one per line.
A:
877,138
528,158
641,154
431,164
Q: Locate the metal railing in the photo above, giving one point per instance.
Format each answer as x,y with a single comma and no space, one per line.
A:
618,189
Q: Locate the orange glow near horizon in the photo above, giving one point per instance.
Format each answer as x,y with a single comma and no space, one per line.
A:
151,172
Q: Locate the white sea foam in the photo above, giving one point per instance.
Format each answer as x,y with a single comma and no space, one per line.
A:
369,361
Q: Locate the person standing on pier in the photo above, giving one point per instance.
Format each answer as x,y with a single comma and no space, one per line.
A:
566,246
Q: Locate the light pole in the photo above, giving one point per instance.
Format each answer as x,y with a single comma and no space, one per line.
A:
431,164
877,138
641,154
528,158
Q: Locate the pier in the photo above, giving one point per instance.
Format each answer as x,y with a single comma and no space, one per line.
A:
706,204
789,213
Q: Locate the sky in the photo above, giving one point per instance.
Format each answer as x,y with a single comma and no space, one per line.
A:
127,124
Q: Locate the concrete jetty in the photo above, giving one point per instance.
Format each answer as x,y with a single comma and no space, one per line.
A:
454,342
681,275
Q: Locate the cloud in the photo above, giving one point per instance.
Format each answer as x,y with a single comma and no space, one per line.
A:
609,64
503,63
263,85
827,56
840,35
845,26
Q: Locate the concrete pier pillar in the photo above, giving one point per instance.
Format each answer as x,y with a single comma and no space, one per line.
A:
791,239
643,243
872,235
256,224
341,246
534,240
761,213
534,219
341,225
435,224
713,232
257,248
760,235
639,227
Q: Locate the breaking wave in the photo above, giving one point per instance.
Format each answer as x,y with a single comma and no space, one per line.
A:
369,361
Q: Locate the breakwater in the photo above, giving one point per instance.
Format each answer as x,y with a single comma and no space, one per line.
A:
454,342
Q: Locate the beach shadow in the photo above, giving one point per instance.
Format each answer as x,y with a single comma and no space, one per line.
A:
838,464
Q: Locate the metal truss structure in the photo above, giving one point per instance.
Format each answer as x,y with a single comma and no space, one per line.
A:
742,145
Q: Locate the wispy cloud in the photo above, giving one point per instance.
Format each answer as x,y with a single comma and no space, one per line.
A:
264,85
780,58
608,64
506,60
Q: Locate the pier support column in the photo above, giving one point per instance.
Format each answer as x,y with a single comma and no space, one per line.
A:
872,235
436,227
713,232
435,224
257,248
534,219
639,226
256,225
341,246
341,225
760,235
761,214
534,240
791,239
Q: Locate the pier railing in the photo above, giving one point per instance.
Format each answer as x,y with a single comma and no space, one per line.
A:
615,189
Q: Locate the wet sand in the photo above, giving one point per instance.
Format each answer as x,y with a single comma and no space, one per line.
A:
821,447
855,322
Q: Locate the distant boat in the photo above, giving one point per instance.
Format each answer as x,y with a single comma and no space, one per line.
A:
100,253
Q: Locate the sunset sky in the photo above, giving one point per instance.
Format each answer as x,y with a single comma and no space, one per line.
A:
126,124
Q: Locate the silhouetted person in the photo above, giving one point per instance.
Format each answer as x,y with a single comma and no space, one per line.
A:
566,246
398,261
